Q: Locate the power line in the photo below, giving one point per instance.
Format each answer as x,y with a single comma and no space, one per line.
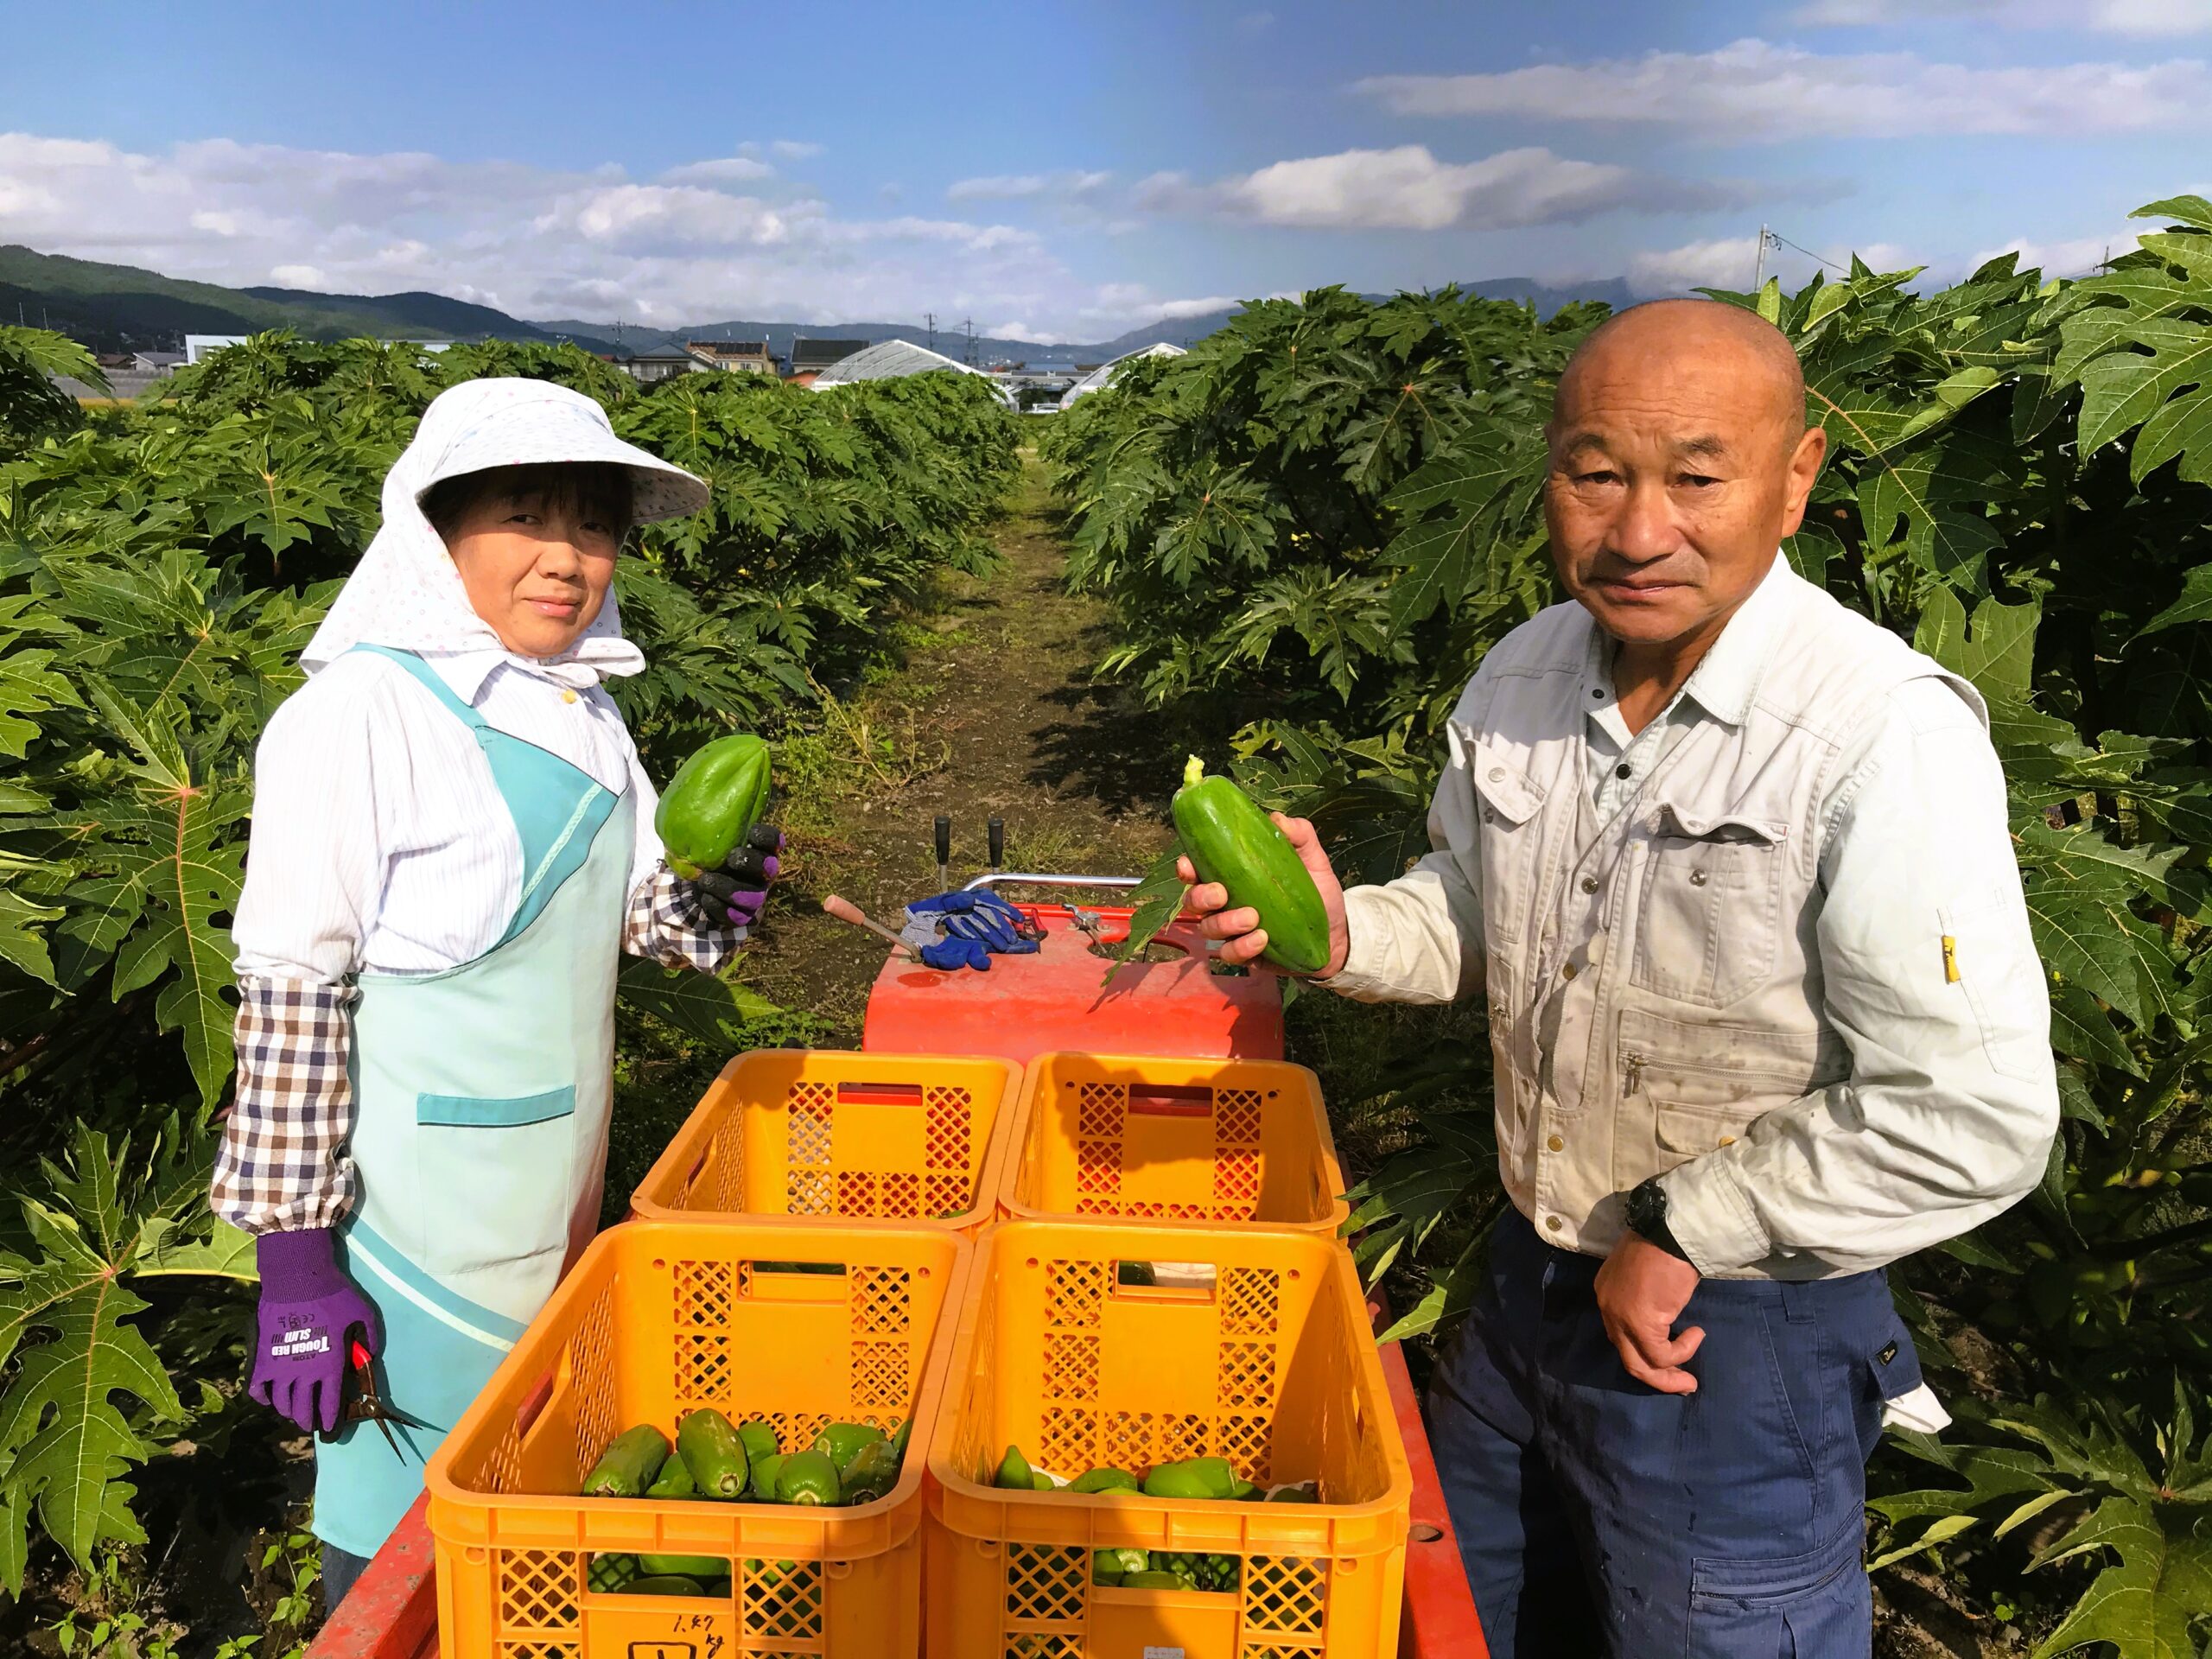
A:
1780,240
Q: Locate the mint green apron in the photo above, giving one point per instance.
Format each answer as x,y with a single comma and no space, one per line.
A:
480,1104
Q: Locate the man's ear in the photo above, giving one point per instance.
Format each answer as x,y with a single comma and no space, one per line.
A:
1804,469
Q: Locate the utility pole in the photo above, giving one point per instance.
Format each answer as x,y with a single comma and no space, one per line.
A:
968,326
930,318
1758,271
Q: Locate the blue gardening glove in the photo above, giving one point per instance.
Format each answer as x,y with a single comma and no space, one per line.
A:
739,888
975,924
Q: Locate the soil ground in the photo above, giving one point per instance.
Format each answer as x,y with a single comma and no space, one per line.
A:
993,713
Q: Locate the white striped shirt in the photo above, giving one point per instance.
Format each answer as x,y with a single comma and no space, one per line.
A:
380,842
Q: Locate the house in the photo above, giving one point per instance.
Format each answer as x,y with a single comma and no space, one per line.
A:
659,363
811,357
154,362
197,346
746,356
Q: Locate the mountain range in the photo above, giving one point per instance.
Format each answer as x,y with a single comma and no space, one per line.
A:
123,308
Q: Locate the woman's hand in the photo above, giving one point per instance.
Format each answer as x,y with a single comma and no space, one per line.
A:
1239,930
739,888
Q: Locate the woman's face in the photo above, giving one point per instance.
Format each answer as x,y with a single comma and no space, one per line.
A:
535,567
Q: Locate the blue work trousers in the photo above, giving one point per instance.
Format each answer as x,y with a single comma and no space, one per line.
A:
1597,1517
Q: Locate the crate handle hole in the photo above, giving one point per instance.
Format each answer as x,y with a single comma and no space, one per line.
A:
1171,1100
1424,1532
1167,1281
819,1269
533,1403
879,1094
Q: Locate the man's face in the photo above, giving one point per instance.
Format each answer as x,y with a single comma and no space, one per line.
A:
1677,468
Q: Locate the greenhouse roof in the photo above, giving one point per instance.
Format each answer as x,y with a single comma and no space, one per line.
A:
887,360
1102,377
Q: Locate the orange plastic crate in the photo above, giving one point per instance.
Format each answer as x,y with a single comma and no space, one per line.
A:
1234,1142
1265,1360
657,1318
842,1135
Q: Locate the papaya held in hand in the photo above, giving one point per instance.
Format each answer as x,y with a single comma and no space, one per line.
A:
711,804
1231,841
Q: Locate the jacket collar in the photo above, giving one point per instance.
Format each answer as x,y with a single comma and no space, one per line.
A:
469,671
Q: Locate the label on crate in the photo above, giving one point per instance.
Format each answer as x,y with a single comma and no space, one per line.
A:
1163,1653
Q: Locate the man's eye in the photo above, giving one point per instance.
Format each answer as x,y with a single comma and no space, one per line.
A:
1603,475
1698,481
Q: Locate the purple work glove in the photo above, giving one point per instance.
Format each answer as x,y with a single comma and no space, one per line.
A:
309,1310
739,888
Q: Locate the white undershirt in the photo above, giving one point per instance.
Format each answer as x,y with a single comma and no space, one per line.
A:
380,842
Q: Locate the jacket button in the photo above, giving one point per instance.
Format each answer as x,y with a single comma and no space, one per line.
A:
1555,1144
1497,774
567,696
1697,878
1488,817
1569,971
1589,884
1552,1221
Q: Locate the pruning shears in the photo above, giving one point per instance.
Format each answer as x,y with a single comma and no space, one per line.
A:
364,1404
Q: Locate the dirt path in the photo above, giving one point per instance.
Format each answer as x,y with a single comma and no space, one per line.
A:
992,712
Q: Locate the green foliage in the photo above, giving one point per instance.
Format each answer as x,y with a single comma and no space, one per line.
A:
162,566
2016,482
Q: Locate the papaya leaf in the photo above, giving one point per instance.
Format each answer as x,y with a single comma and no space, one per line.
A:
713,1008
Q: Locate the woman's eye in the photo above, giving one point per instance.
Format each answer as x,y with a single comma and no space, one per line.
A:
1601,476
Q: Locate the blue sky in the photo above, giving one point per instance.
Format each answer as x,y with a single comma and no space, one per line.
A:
1070,170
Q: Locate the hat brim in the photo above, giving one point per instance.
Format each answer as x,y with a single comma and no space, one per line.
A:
659,489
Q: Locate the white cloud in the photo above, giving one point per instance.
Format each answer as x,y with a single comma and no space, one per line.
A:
1754,89
537,242
1733,263
794,150
1253,24
728,170
1407,189
2075,257
1071,186
2135,17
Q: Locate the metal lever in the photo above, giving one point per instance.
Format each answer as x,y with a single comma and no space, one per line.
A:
944,854
1039,879
995,834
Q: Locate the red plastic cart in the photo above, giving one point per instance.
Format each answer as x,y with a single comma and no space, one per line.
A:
1025,1006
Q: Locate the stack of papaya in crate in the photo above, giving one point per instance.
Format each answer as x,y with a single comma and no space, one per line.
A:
1166,1428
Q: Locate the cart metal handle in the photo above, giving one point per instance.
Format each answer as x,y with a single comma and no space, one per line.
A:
1036,879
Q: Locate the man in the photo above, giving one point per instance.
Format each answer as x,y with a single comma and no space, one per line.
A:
1730,865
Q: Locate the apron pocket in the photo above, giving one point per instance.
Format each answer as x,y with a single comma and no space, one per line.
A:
495,1175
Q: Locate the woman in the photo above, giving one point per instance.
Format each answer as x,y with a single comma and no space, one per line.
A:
452,846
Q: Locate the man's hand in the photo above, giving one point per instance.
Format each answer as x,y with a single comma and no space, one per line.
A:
1241,936
1641,1291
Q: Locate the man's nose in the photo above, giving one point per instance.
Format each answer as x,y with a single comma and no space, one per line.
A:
1644,530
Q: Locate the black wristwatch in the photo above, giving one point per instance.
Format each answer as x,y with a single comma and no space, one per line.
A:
1647,1217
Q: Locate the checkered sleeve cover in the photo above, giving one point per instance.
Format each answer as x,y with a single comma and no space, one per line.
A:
283,1164
669,923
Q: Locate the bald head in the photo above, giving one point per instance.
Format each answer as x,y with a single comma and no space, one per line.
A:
1707,338
1680,459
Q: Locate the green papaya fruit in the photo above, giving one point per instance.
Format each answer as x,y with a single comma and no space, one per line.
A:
1179,1480
629,1463
841,1442
870,1474
674,1481
712,803
763,1487
1113,1565
1040,1481
1230,840
760,1439
1292,1494
701,1567
899,1441
1152,1581
807,1478
1244,1492
1013,1472
1219,1477
709,1444
1104,1480
664,1585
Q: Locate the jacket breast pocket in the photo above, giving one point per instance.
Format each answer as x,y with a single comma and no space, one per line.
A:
494,1177
1508,800
1709,917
